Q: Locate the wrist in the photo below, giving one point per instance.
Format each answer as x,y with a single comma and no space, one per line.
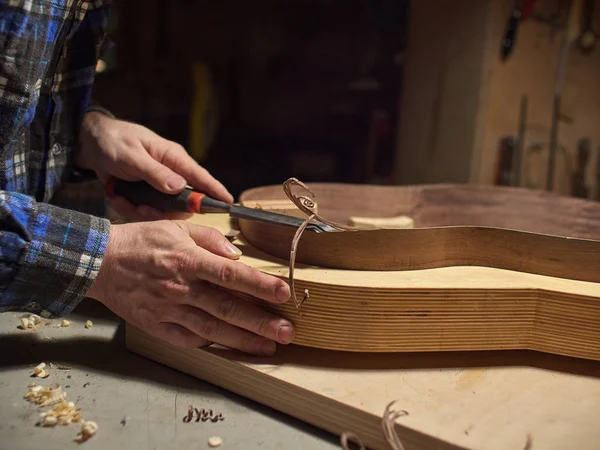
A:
91,130
99,290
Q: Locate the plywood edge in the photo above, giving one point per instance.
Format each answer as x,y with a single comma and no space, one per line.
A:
322,412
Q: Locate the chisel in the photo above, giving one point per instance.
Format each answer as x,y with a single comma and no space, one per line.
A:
191,201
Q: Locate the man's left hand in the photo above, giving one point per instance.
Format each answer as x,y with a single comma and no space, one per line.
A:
131,152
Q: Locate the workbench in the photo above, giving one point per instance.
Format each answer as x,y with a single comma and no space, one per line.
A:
137,403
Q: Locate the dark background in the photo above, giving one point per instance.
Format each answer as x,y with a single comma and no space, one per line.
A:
308,89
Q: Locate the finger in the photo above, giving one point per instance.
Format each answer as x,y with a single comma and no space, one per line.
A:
242,314
178,336
240,277
211,240
140,213
158,175
175,157
150,213
124,208
215,330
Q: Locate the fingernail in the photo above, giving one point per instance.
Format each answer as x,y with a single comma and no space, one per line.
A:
232,249
268,348
175,182
285,334
282,293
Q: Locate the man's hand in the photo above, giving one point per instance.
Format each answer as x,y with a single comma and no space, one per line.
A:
160,276
114,148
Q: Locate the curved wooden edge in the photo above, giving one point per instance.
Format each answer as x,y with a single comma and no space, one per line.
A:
429,248
450,309
443,205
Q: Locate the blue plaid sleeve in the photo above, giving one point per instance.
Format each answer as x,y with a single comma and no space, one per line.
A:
49,256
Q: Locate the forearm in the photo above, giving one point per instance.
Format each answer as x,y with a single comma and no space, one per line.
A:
49,256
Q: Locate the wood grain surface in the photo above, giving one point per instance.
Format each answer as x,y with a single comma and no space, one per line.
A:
474,400
454,225
449,308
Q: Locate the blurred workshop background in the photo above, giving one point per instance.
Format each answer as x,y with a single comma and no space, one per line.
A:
366,91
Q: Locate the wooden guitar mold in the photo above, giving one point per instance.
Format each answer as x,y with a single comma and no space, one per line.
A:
442,309
454,225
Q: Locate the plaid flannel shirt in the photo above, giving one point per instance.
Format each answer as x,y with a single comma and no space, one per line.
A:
49,256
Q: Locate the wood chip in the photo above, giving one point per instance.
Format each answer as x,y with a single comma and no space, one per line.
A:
88,429
215,441
24,323
64,367
65,323
89,324
63,414
35,320
40,371
45,396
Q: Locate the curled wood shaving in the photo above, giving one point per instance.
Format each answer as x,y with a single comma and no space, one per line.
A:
88,429
89,324
348,437
35,319
45,396
24,323
388,422
31,321
40,371
308,205
63,413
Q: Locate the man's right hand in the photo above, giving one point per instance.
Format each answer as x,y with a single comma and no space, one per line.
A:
159,277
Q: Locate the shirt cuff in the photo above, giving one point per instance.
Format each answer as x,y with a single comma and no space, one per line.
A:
59,257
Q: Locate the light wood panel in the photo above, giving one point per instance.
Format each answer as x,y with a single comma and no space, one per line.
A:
451,308
475,400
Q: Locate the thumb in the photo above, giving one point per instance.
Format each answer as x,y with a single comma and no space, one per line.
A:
158,175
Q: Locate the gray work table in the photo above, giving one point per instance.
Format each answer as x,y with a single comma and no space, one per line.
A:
136,403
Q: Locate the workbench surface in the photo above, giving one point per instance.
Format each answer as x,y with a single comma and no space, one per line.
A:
136,403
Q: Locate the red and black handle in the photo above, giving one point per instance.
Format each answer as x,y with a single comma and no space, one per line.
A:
141,193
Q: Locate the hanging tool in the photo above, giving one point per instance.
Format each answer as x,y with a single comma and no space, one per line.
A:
191,201
504,166
571,36
578,186
588,38
521,10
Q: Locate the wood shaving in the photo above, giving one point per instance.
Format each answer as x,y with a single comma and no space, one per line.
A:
215,441
35,319
89,324
88,429
31,321
64,367
40,371
45,396
64,413
24,323
65,323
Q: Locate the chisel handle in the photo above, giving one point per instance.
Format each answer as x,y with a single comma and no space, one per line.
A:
141,193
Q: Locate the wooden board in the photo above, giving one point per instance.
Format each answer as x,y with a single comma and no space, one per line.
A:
476,400
450,308
454,225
